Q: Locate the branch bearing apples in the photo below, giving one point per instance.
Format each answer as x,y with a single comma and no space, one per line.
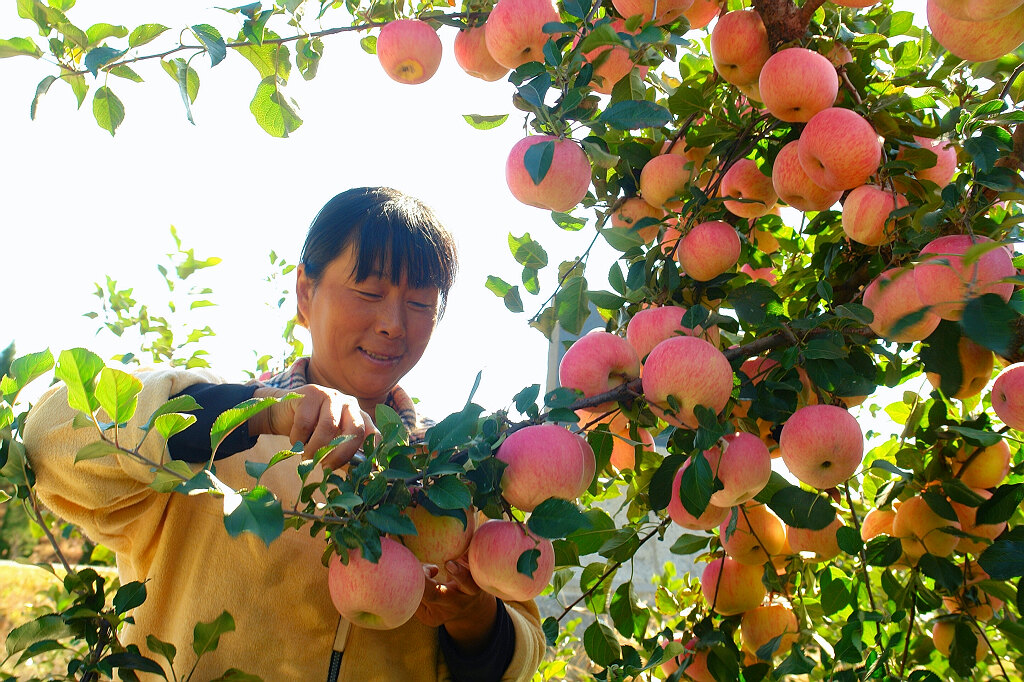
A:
739,46
731,588
471,53
596,363
822,445
378,596
944,282
839,149
409,50
515,31
692,371
797,83
1008,396
563,185
710,249
494,555
545,461
891,297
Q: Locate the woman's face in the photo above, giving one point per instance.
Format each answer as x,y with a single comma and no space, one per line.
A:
366,335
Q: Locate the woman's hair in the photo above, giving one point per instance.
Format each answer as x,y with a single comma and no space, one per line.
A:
394,236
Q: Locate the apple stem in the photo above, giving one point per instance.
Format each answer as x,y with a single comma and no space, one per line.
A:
910,628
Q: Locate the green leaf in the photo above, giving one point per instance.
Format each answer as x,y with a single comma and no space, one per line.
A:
527,563
697,485
211,38
689,544
572,305
1001,506
125,72
188,82
272,110
49,626
41,89
660,491
19,47
307,57
448,492
754,302
168,425
527,252
550,628
603,34
568,222
988,321
129,596
632,114
257,512
369,44
99,32
943,571
481,122
177,475
78,368
165,649
144,34
601,644
802,509
181,403
388,519
231,419
117,393
963,649
23,371
107,109
269,60
131,660
96,450
78,86
1003,559
206,636
556,518
537,160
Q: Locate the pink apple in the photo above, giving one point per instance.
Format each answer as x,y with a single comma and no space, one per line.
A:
515,31
623,445
766,275
758,536
649,327
1008,396
920,530
730,588
839,54
692,371
668,10
761,625
494,555
866,215
839,149
711,517
664,177
892,296
596,363
409,50
823,543
701,13
742,463
797,83
978,10
471,53
438,538
562,187
876,522
976,363
708,250
632,211
944,168
377,596
795,187
694,663
611,62
976,41
545,460
744,180
822,445
945,283
739,46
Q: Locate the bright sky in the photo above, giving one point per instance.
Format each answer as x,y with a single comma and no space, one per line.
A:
79,205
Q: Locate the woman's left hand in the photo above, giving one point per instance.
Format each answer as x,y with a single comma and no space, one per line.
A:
458,604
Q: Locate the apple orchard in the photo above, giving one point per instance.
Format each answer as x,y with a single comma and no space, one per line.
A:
812,205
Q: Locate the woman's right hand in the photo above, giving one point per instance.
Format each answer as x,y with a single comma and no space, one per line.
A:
318,417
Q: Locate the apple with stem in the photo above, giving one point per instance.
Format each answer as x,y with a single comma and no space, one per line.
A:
409,50
739,46
471,54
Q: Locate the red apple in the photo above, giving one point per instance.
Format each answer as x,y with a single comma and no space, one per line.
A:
823,543
692,371
766,275
471,53
976,365
742,463
944,168
976,41
664,177
945,283
968,523
632,211
377,596
744,180
708,250
649,327
795,187
611,62
978,10
438,538
545,460
822,445
739,46
876,522
839,149
892,296
623,445
797,83
866,215
701,13
596,363
668,10
1008,396
562,187
764,623
759,535
515,31
694,663
764,241
731,588
409,50
711,517
494,555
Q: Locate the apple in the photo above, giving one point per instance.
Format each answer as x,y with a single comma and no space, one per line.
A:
978,10
976,365
892,296
494,556
823,543
695,661
670,239
766,275
839,149
565,183
695,155
822,445
797,83
596,363
632,211
663,178
972,599
708,250
795,187
730,588
976,41
756,369
763,240
623,446
943,632
762,624
742,463
876,522
744,180
866,214
377,596
409,50
692,371
701,13
839,55
668,10
945,283
611,62
711,517
984,469
944,168
1008,396
920,530
471,53
758,536
739,46
649,327
515,31
438,538
968,523
545,460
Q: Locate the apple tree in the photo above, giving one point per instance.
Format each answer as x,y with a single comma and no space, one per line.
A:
816,209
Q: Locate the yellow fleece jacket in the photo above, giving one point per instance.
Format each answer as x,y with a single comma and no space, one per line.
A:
277,595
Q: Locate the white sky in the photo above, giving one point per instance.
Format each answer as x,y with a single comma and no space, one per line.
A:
79,205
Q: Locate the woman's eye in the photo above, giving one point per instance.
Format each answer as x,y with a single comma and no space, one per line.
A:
369,294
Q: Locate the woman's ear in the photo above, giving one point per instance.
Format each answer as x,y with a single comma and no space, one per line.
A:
304,287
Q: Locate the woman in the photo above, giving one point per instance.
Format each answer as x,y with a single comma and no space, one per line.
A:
374,275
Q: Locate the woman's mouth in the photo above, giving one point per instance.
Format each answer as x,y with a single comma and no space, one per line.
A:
380,357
